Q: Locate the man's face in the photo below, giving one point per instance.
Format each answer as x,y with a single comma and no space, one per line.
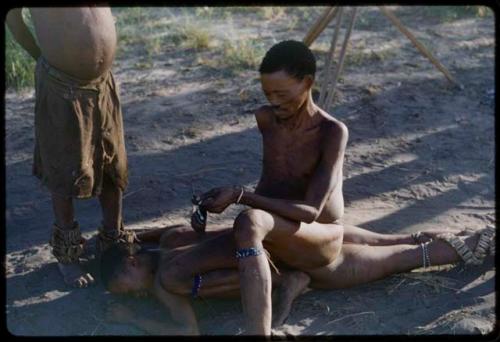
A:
285,93
133,280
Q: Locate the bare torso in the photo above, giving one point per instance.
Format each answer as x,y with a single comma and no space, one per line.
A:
80,41
289,161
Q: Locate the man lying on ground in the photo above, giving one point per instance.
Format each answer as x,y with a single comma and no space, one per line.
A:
175,263
135,270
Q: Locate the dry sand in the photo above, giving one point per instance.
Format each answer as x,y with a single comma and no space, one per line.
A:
420,156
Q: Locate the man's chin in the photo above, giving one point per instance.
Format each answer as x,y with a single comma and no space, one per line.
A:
282,115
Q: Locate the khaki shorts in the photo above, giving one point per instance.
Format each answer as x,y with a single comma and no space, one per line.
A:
78,133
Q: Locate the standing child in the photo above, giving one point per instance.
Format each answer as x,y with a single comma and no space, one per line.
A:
79,143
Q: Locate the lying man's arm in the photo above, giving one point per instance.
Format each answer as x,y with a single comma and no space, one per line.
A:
122,314
320,187
179,307
21,33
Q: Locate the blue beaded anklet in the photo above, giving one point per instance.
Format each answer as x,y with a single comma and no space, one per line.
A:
246,252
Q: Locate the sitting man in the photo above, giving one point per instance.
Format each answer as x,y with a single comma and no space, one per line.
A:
298,200
294,216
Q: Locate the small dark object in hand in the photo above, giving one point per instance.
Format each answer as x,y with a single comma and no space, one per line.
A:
199,216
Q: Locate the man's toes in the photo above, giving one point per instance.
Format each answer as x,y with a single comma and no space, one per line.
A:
80,282
90,279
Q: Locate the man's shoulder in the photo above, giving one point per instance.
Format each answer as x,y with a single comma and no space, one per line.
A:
333,125
264,117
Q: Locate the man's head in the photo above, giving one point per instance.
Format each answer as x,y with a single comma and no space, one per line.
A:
287,75
124,273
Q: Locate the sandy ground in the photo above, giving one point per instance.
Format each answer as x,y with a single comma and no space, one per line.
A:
420,156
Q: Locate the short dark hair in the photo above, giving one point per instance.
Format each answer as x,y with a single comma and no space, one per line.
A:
113,262
291,56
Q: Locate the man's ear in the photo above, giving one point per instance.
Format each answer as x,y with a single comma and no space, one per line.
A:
308,81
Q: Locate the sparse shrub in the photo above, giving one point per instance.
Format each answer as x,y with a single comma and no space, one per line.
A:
193,36
242,54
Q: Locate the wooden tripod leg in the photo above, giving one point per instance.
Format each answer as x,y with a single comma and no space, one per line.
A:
320,25
338,71
423,50
329,58
314,27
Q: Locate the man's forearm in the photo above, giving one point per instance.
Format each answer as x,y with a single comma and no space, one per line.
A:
293,210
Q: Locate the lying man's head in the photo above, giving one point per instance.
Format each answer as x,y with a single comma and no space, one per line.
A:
287,75
126,273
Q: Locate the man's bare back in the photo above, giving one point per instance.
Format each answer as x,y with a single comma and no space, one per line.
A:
80,41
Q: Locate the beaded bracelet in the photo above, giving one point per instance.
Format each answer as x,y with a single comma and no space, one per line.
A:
196,285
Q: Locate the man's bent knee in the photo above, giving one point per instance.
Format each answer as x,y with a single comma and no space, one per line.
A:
251,225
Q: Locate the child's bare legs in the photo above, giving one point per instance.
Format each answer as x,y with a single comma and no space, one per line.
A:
72,273
111,205
359,264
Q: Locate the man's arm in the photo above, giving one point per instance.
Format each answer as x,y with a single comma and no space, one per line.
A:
179,307
21,33
122,314
321,185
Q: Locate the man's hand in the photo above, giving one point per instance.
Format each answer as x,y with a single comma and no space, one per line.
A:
218,199
119,313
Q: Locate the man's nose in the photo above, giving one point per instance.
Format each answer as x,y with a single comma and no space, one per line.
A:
273,101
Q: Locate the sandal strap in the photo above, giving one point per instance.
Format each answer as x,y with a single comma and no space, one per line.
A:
486,243
67,244
121,236
461,248
416,237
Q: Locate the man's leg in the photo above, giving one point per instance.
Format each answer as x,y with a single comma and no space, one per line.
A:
357,235
190,271
294,244
72,272
359,264
214,260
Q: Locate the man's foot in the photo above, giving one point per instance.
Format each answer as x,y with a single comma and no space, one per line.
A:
429,235
75,276
292,285
474,248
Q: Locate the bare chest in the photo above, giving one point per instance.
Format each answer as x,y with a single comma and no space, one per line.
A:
290,157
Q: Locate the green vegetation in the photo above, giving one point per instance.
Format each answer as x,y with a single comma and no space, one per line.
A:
192,36
19,65
147,32
242,54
